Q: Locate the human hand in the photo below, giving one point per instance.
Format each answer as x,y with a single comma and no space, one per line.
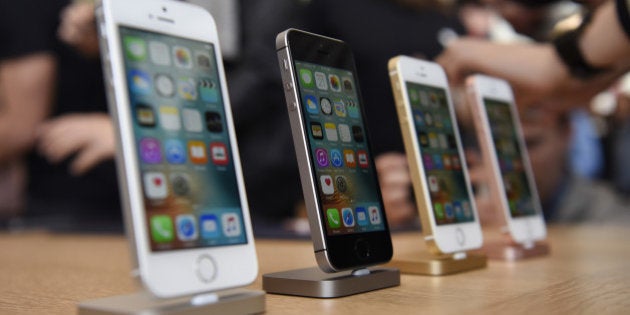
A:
395,182
78,28
89,136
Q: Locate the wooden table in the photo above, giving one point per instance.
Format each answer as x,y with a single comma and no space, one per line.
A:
587,272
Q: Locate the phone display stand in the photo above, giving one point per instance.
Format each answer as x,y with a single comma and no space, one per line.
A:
313,282
425,263
237,301
512,252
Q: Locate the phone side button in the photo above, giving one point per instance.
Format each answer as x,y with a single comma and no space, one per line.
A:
206,268
292,106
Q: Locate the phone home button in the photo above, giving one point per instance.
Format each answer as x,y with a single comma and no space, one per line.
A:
460,237
362,249
206,268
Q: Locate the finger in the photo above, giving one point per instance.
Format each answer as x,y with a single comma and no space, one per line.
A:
87,159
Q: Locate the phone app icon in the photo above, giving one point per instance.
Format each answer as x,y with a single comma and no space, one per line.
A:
446,161
209,225
344,133
418,118
150,151
203,59
353,108
427,160
311,104
424,98
434,185
140,82
317,131
180,183
208,90
213,122
175,151
164,85
348,217
186,88
448,210
231,225
375,215
437,119
413,96
443,141
424,139
467,211
192,120
169,116
335,84
340,108
331,132
347,84
159,53
306,78
428,119
326,106
162,229
439,211
320,81
434,143
335,158
145,116
135,48
155,185
327,184
333,218
363,160
321,155
362,216
457,165
349,158
437,162
186,227
197,152
342,184
182,57
433,99
219,153
357,133
459,210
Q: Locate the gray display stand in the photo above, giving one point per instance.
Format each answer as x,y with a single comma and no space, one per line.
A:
237,301
312,282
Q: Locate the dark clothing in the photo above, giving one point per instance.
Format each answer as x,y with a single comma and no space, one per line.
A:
623,13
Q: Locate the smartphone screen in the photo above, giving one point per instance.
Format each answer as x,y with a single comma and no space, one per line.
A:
441,159
191,195
344,171
510,158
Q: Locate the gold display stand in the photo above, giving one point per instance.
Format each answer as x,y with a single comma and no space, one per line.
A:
511,251
425,263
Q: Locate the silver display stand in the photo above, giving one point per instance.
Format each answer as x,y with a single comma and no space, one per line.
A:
312,282
237,301
513,252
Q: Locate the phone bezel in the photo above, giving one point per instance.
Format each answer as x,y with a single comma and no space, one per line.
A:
407,69
168,273
524,229
339,250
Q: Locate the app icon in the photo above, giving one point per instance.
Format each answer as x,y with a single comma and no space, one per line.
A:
311,104
437,119
467,211
375,215
349,158
321,155
423,138
174,151
182,57
357,133
342,184
353,109
428,119
439,211
219,153
208,90
317,131
231,224
434,185
340,108
433,99
437,162
306,78
209,225
446,161
140,82
427,160
203,59
459,211
162,229
197,152
192,120
344,133
348,217
418,117
186,88
150,151
363,160
169,116
434,143
326,105
213,122
442,140
448,210
164,85
159,53
331,132
424,98
186,227
335,85
327,184
413,96
347,84
145,116
155,185
135,48
455,162
320,81
333,218
180,182
335,158
362,216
